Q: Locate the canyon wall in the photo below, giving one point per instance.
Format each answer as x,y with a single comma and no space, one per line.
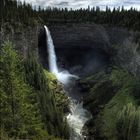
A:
89,47
85,47
24,39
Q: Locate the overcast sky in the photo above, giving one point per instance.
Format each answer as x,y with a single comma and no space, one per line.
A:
75,4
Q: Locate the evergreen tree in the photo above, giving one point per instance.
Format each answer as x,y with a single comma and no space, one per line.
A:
128,123
13,12
52,117
19,112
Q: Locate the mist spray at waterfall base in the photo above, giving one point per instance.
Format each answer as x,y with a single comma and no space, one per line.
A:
63,76
78,116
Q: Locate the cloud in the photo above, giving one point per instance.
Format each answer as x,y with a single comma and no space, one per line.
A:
76,4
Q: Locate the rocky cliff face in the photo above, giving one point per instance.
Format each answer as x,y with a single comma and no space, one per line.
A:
128,54
87,48
80,48
23,38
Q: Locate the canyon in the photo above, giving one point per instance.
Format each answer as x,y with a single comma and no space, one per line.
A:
84,50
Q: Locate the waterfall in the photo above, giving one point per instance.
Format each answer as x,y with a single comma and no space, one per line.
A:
51,52
62,76
78,116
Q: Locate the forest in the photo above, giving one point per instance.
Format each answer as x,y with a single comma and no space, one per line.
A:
28,107
16,12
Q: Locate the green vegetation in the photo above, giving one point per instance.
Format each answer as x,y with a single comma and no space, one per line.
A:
110,94
128,123
61,100
51,115
17,12
28,107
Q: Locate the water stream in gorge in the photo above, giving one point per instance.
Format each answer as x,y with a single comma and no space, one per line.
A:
78,116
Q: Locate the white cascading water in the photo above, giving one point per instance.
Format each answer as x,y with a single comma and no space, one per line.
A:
51,52
76,119
62,76
78,116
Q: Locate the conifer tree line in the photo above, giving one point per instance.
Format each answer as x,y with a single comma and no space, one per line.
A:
15,11
27,106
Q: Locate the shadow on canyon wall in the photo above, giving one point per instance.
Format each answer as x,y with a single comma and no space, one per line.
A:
80,49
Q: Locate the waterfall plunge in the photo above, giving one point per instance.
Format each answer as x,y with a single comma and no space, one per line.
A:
62,76
78,115
51,52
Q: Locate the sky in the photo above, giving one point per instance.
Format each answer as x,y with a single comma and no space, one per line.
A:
76,4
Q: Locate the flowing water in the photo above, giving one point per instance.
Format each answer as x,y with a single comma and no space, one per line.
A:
63,76
78,116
